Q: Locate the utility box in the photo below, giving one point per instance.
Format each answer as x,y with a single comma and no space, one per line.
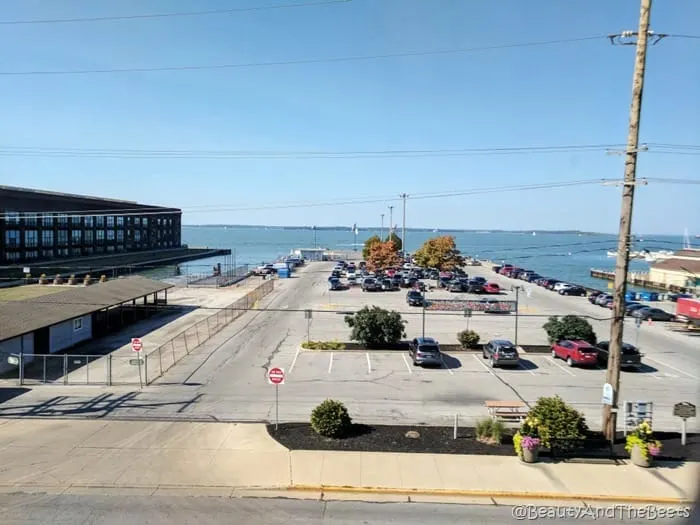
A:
283,273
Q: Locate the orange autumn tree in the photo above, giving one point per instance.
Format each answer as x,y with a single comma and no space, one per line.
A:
439,252
382,255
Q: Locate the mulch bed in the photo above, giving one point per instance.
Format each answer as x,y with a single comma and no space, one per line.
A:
439,440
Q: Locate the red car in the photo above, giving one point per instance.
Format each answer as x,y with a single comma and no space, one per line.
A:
491,288
575,352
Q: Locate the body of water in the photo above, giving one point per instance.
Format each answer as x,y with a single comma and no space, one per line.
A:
565,256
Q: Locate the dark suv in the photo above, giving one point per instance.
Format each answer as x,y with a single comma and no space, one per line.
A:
425,351
629,357
501,352
415,298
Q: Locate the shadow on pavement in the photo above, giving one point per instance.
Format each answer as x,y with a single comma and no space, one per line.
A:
11,392
450,362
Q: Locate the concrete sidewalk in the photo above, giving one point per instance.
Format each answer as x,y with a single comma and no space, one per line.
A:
220,459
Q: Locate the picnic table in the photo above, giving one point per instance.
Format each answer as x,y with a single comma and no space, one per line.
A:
511,411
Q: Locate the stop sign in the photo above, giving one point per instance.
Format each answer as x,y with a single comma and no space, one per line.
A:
276,376
136,344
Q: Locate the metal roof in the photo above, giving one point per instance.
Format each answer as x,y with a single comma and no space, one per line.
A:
22,317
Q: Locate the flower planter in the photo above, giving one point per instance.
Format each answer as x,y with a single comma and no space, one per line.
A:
639,459
531,455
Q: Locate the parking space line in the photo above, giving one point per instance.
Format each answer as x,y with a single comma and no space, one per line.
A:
369,364
408,367
558,365
294,361
330,363
673,368
444,365
483,365
522,366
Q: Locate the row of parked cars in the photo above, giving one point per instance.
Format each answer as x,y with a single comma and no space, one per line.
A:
632,308
358,275
530,276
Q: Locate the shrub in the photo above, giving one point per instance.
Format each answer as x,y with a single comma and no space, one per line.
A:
529,431
468,338
490,431
331,419
569,327
559,425
323,345
374,326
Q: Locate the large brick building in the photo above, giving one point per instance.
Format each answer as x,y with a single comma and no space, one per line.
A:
38,225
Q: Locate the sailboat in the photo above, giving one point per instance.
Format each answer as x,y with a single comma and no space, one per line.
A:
534,234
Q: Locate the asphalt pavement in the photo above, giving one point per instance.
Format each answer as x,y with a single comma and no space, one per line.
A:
27,509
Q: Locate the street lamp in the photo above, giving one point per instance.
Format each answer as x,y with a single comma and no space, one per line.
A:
424,305
517,288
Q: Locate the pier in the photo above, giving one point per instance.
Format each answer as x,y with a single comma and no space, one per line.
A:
640,279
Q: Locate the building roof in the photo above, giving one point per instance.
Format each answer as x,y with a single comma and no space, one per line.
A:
22,317
687,266
693,253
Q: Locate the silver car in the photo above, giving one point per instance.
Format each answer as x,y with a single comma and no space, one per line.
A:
425,351
501,352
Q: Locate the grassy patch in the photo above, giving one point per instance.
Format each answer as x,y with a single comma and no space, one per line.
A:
323,345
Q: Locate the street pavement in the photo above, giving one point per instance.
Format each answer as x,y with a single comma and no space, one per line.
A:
21,509
224,379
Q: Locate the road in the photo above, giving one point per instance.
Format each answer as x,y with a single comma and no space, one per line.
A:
21,509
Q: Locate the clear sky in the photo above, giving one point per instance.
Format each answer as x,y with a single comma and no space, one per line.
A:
565,94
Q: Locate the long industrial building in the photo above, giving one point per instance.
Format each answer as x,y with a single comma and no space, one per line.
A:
38,226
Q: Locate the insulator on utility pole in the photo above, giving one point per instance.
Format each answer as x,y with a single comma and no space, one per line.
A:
612,374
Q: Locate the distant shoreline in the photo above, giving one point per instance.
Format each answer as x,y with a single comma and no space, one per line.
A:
373,228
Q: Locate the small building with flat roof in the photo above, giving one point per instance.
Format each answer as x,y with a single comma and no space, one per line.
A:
681,270
54,322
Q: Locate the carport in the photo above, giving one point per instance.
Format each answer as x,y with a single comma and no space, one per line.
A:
54,322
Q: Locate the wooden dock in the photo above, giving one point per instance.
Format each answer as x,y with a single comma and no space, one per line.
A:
640,279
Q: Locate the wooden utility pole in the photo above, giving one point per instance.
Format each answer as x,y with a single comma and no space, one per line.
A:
612,375
403,228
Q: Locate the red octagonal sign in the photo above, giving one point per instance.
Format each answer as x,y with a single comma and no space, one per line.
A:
276,376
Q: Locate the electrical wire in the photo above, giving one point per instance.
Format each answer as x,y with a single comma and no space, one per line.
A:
306,61
166,15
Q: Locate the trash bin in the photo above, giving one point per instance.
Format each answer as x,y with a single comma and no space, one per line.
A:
649,296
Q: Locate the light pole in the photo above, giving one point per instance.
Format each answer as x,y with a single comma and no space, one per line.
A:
391,220
381,230
517,301
403,228
424,305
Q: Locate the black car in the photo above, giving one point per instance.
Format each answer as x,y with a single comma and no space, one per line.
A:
474,286
481,280
629,358
388,285
370,285
593,296
455,286
501,352
578,291
655,314
415,298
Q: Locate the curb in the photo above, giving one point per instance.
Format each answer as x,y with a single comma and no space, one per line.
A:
491,494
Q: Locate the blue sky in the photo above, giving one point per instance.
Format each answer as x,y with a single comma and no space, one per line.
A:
573,93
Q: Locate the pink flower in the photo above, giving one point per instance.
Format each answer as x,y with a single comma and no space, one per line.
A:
654,450
530,443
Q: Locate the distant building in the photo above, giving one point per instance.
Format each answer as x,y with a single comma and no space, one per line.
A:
38,225
682,269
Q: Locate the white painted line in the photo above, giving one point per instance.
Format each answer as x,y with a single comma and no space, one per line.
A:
673,368
294,361
478,360
408,367
369,364
442,359
673,376
522,366
564,369
330,363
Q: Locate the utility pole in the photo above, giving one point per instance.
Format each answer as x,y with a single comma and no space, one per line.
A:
612,375
391,220
517,311
381,230
403,228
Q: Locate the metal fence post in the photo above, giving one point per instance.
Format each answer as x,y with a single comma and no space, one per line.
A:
160,360
196,332
208,328
109,370
65,369
44,372
87,369
145,368
172,344
21,369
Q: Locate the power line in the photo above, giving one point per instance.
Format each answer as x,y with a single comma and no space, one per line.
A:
352,58
165,15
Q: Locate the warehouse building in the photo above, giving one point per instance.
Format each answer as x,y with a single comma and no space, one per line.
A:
58,321
681,270
38,225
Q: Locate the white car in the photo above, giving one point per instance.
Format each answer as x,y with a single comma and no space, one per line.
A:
351,275
560,287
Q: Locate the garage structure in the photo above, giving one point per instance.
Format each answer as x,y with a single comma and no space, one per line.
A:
55,322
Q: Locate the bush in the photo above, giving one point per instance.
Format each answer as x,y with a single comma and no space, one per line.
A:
569,327
490,431
468,338
323,345
559,425
374,326
331,419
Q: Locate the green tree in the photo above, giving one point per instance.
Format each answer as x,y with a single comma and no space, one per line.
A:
569,327
374,326
374,239
396,241
439,252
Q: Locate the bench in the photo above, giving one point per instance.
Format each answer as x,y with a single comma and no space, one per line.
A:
509,411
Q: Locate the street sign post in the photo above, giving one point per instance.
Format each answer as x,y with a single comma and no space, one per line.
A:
308,314
275,376
607,394
637,412
684,410
137,346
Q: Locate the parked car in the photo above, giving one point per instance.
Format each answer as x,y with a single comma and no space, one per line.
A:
655,314
578,291
629,358
335,284
501,352
551,283
602,299
352,280
630,309
492,288
491,306
388,285
481,280
370,284
425,351
593,296
575,352
611,304
455,286
607,302
415,298
474,287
